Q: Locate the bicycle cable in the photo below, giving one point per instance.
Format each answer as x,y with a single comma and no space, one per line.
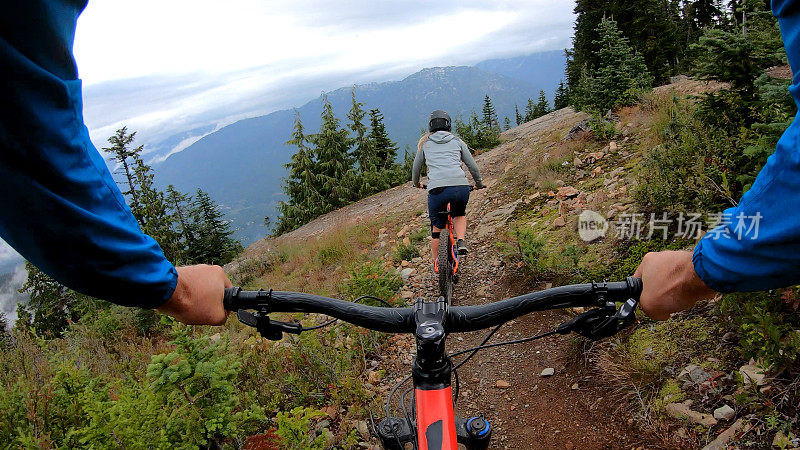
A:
498,344
322,325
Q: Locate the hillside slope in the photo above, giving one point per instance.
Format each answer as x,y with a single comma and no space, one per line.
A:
540,178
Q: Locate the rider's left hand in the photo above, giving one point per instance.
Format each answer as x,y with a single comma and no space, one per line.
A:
197,299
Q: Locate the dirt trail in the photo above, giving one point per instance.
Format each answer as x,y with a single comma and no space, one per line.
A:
569,410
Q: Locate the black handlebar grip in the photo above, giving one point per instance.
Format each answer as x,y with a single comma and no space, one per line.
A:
229,300
635,285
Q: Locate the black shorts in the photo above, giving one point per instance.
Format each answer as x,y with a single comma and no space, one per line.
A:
438,198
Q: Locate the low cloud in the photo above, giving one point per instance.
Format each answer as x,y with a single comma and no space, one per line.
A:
201,65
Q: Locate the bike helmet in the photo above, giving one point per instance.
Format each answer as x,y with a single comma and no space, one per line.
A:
439,121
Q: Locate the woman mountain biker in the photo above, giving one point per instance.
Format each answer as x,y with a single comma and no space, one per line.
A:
443,152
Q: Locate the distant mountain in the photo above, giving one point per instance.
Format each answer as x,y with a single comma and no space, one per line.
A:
543,70
241,165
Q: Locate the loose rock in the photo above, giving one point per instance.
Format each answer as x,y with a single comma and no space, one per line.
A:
693,373
548,372
406,273
724,412
502,384
753,373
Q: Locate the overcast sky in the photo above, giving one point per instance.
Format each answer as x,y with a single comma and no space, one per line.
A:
166,66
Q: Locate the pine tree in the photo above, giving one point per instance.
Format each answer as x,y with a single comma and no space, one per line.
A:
213,243
542,107
362,152
153,211
384,149
518,116
49,306
121,154
5,336
649,25
620,74
725,56
301,185
561,99
530,110
702,14
489,114
332,157
507,123
179,204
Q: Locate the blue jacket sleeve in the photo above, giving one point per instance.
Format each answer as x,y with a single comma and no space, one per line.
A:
764,252
59,205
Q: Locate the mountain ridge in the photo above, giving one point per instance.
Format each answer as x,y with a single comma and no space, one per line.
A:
248,186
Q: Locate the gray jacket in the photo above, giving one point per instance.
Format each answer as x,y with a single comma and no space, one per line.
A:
443,153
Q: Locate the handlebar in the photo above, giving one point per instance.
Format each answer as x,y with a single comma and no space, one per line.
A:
457,318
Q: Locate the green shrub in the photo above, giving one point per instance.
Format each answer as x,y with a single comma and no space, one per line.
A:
766,326
602,128
405,252
371,279
540,261
295,429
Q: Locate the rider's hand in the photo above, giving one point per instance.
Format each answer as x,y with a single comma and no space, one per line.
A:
197,299
480,186
670,284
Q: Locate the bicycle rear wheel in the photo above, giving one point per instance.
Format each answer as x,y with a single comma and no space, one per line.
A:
445,266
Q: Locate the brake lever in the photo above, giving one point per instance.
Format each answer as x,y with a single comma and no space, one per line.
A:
267,328
602,322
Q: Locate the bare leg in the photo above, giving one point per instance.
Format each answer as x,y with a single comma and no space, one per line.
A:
460,227
435,244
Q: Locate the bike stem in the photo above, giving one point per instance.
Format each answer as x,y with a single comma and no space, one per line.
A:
437,427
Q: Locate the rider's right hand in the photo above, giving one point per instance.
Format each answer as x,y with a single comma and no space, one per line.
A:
670,284
197,299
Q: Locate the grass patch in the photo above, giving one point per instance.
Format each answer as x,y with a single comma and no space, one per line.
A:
418,236
636,364
372,279
405,252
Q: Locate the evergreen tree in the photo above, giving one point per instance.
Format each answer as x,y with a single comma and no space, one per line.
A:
489,114
530,110
332,158
725,56
362,152
50,304
561,99
121,153
518,116
24,318
301,185
179,204
542,107
213,243
620,74
153,211
507,123
650,25
384,149
5,335
701,14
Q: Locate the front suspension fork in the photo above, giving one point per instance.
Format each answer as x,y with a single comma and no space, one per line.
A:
395,432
